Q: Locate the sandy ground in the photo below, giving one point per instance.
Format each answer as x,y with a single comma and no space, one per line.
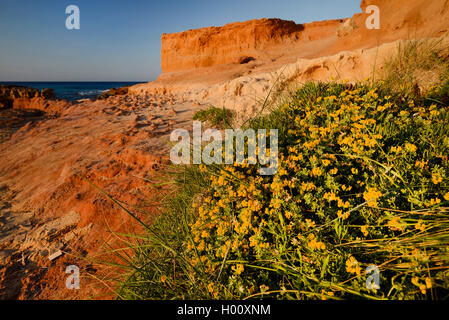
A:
47,205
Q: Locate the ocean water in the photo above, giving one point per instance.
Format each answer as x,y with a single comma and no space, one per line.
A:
75,90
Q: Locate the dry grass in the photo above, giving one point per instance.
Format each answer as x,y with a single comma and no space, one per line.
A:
418,65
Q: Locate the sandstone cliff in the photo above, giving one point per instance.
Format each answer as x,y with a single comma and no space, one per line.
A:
277,42
414,19
238,42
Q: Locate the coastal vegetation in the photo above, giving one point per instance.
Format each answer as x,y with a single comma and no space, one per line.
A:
216,117
362,183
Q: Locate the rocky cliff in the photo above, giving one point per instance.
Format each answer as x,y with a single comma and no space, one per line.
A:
238,43
413,19
267,40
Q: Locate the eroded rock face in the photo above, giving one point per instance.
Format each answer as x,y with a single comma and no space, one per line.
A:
12,96
19,97
114,92
48,94
9,93
267,40
399,20
12,92
234,42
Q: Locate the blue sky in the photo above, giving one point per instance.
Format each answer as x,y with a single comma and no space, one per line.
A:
120,40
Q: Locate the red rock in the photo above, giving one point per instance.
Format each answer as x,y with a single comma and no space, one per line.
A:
257,39
270,40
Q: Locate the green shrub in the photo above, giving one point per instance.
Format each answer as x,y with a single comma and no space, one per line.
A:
219,118
363,180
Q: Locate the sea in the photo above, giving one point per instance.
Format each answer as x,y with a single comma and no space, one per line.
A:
75,90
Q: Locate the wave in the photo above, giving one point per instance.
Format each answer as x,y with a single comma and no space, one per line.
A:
91,92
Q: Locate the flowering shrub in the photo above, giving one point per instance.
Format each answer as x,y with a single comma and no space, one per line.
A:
362,181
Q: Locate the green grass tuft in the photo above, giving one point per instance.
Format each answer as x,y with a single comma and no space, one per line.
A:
218,118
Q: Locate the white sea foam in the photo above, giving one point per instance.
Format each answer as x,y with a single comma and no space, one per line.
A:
91,92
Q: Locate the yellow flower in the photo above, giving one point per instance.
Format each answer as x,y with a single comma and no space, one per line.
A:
411,147
316,172
434,202
201,246
422,287
371,195
333,171
323,293
310,223
446,196
342,204
352,266
364,230
428,283
313,244
163,279
397,149
342,215
331,196
204,234
420,164
415,281
238,269
436,178
264,288
282,172
395,224
354,171
434,113
311,144
420,226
